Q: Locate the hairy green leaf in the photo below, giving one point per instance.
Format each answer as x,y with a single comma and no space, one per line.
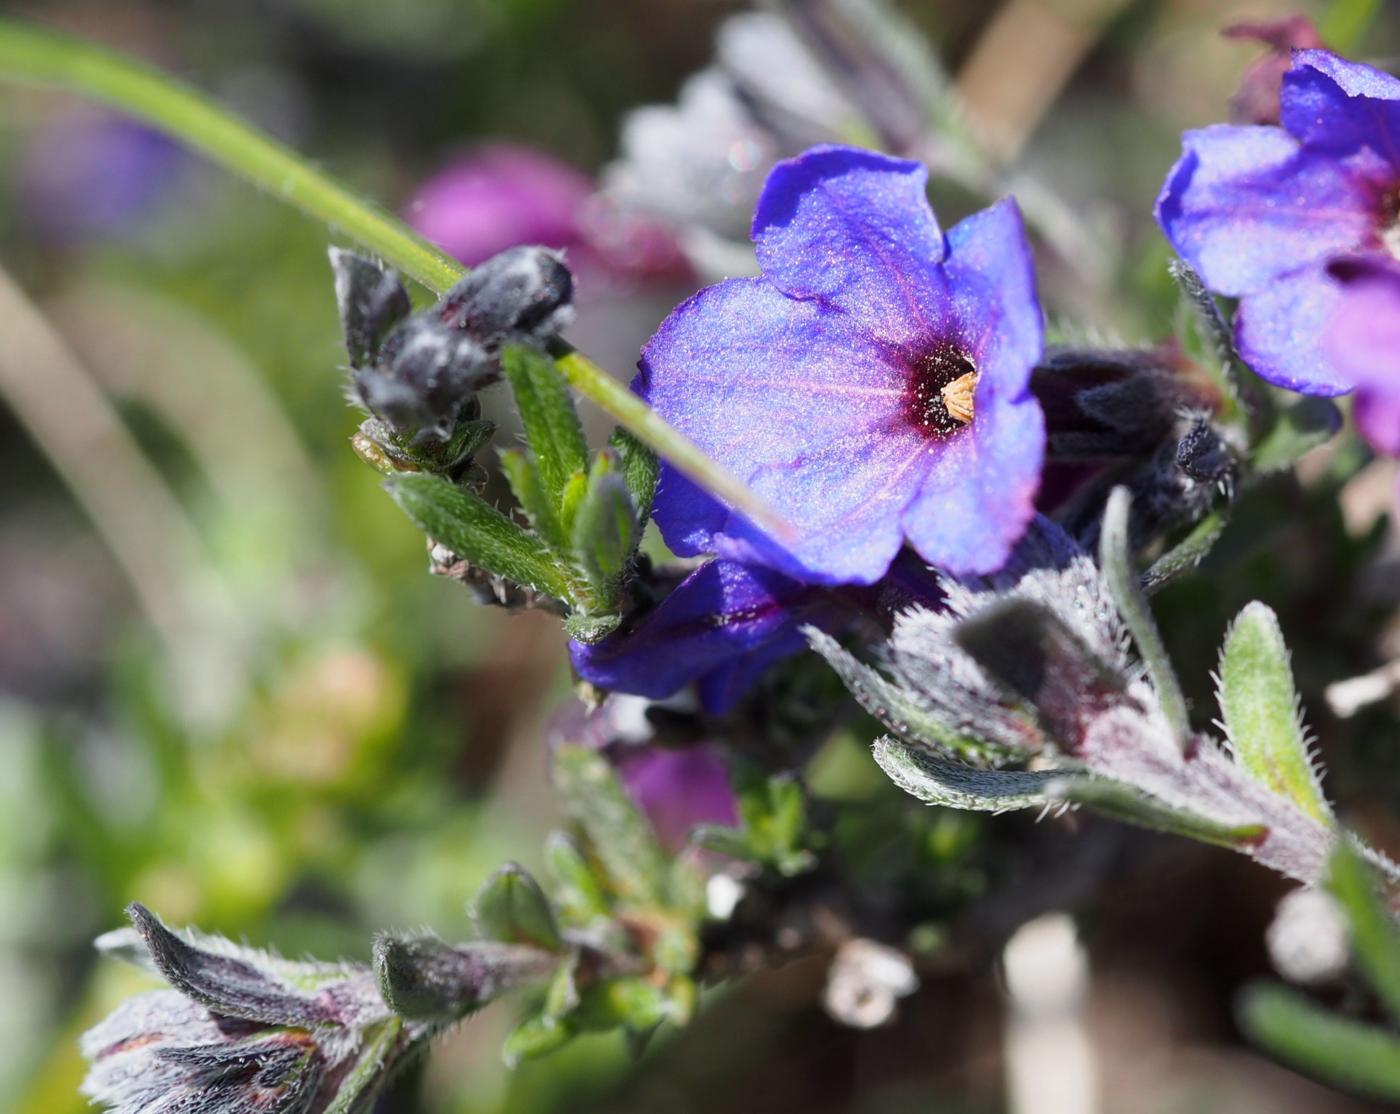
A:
618,833
577,887
1349,1054
538,1035
547,412
1123,802
1308,423
1183,557
605,529
527,485
640,468
476,531
936,781
1260,707
371,1071
1116,560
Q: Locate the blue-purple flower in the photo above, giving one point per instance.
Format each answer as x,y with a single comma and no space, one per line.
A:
722,627
1363,343
1259,211
728,623
871,384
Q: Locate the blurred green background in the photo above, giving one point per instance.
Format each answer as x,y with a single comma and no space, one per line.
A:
229,688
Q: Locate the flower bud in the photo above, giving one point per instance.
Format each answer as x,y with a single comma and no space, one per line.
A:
371,301
427,375
240,1030
523,293
161,1051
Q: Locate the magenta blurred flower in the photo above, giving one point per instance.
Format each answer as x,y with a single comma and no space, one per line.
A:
499,196
679,789
1257,99
676,784
872,384
1363,341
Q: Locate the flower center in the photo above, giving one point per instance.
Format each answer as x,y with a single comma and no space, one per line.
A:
1390,222
942,388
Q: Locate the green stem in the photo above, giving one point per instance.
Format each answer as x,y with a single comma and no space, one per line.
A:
1116,561
35,56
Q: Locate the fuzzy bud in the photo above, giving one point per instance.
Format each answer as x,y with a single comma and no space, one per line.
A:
525,293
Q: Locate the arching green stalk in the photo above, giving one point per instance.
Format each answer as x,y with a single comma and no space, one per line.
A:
35,56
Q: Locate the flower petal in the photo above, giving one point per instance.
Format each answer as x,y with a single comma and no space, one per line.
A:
979,494
1363,341
1279,332
724,616
1377,416
979,489
1334,105
990,276
1244,205
854,229
802,406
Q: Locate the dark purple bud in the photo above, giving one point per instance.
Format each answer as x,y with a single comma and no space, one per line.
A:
1173,488
371,301
241,1031
427,376
524,293
233,985
160,1051
1102,404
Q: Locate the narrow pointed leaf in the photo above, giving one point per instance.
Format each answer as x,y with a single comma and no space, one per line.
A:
1374,934
527,486
724,840
605,530
1116,561
618,833
562,996
577,888
473,529
1186,555
896,709
1348,1054
1122,802
936,781
547,412
1260,706
640,468
533,1038
1207,337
